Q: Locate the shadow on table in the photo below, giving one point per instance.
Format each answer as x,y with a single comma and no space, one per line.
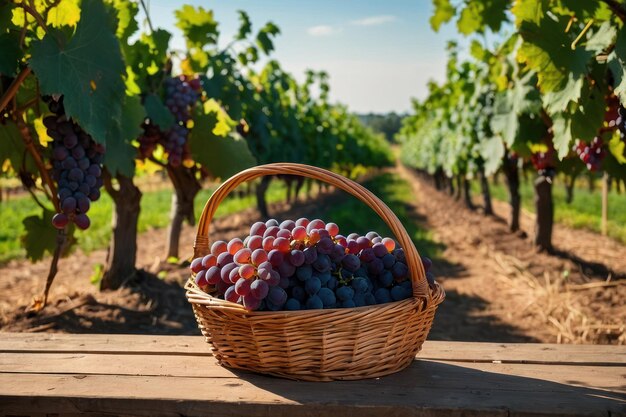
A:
447,389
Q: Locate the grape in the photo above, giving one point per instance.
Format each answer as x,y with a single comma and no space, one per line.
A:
234,275
337,253
328,297
286,270
268,243
271,231
246,271
380,250
399,270
272,223
344,293
341,240
322,264
348,304
296,257
430,277
213,275
385,278
367,255
312,285
288,225
242,287
400,255
371,235
234,245
255,242
304,273
310,255
259,256
258,229
273,279
209,261
259,289
303,221
201,278
60,220
359,285
292,305
315,224
299,233
332,228
427,263
299,294
388,261
74,152
223,259
284,233
219,247
390,244
376,266
353,247
382,295
242,256
351,262
250,302
196,265
275,257
277,296
281,244
314,302
82,221
591,154
399,293
226,270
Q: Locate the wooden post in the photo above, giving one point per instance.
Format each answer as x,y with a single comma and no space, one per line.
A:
605,203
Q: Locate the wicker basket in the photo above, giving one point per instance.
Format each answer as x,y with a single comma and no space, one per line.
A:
316,345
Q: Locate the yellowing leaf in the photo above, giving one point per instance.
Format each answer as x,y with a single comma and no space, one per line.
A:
42,132
66,13
224,123
148,167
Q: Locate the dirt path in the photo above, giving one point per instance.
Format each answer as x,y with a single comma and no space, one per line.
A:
500,284
498,288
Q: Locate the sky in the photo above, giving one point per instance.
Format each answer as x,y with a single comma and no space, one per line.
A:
378,54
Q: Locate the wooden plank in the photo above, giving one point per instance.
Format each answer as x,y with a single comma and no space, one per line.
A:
200,366
605,355
103,343
195,345
427,388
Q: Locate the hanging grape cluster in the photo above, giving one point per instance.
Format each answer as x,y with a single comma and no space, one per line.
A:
76,167
591,154
181,93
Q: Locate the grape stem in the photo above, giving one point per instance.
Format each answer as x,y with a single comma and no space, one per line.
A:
12,90
34,13
61,237
45,176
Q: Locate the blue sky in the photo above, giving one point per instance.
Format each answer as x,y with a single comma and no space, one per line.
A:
378,54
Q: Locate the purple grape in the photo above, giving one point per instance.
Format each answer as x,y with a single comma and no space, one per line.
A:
351,262
259,289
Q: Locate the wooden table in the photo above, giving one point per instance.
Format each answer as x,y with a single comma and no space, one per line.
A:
57,374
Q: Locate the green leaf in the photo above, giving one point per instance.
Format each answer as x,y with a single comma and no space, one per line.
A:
127,24
561,128
245,26
618,70
263,38
479,15
602,39
120,154
589,115
492,151
87,70
198,25
557,101
529,11
10,52
39,236
546,49
158,113
617,147
222,156
444,12
12,148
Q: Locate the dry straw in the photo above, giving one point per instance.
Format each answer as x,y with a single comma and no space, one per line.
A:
316,345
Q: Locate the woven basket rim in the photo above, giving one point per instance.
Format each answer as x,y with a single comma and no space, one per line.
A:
437,296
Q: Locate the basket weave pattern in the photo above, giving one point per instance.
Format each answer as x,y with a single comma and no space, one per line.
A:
316,345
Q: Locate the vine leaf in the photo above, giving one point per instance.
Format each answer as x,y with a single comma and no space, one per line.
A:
12,148
120,154
562,130
546,49
198,25
444,12
222,156
39,236
158,113
477,16
263,38
87,69
9,42
245,26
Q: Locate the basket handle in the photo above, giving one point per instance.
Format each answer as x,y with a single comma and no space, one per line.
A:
413,260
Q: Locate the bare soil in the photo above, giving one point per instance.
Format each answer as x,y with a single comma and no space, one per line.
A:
498,287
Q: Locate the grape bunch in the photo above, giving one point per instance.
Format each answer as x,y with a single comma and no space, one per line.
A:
76,167
303,265
181,93
591,154
620,122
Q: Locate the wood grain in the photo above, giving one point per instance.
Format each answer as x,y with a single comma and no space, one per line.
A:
174,376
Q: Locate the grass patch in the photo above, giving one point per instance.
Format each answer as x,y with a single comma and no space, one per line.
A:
155,213
354,216
584,212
